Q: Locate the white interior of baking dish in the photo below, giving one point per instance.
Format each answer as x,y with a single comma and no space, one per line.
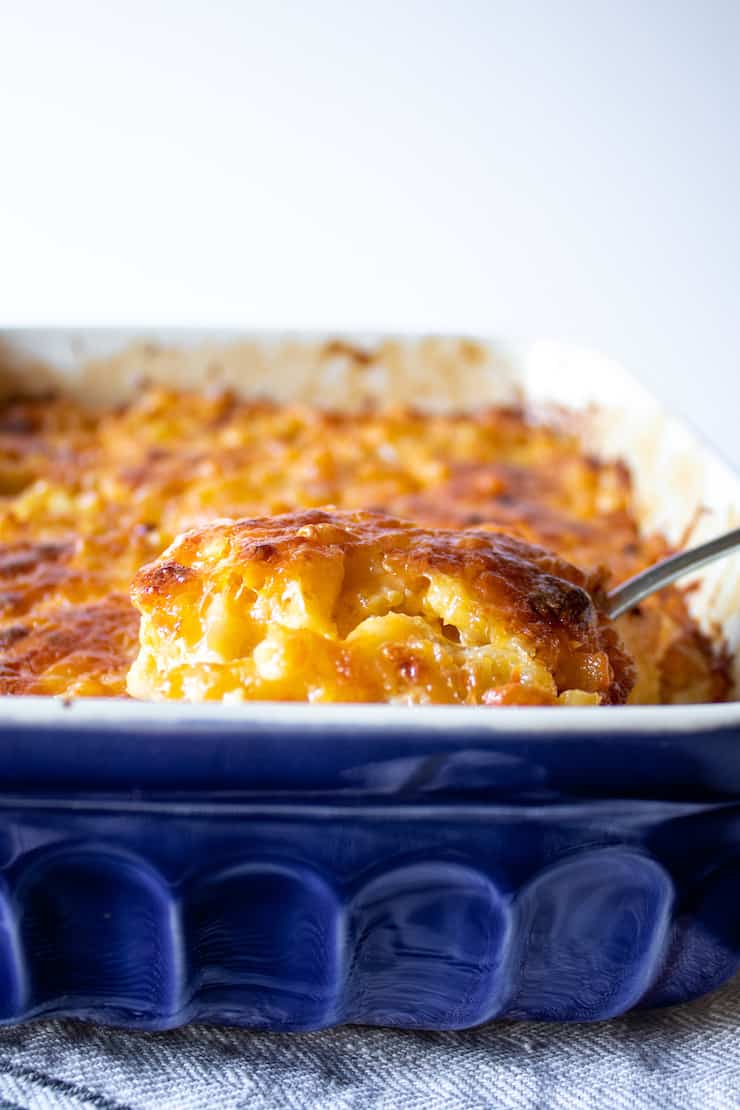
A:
683,487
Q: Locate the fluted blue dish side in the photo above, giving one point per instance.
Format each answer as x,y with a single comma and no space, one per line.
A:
291,873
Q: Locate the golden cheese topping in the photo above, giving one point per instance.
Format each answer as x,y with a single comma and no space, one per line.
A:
88,498
358,606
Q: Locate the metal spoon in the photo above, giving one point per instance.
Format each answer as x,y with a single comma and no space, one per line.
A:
632,591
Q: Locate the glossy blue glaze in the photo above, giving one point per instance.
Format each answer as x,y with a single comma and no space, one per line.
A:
295,873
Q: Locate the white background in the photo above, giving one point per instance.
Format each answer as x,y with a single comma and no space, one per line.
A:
566,169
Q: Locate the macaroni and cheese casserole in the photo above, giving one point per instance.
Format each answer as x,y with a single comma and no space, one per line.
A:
192,545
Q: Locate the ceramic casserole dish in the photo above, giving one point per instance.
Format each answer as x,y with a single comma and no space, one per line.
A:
290,867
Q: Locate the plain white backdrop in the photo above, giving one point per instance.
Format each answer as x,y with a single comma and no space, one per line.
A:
537,168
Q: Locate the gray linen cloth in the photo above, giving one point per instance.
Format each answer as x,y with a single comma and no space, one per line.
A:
688,1056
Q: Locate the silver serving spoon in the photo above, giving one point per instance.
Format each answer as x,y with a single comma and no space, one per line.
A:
632,591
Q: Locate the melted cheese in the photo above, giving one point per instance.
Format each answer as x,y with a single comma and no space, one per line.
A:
352,606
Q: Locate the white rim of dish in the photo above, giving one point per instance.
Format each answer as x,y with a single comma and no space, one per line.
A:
530,720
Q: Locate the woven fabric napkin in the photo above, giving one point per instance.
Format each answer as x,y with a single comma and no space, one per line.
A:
688,1056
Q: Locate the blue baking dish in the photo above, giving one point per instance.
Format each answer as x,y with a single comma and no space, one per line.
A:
290,867
423,868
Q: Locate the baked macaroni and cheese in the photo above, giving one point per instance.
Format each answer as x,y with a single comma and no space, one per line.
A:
343,606
192,545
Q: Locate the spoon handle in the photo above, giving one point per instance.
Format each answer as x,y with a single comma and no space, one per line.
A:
662,574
